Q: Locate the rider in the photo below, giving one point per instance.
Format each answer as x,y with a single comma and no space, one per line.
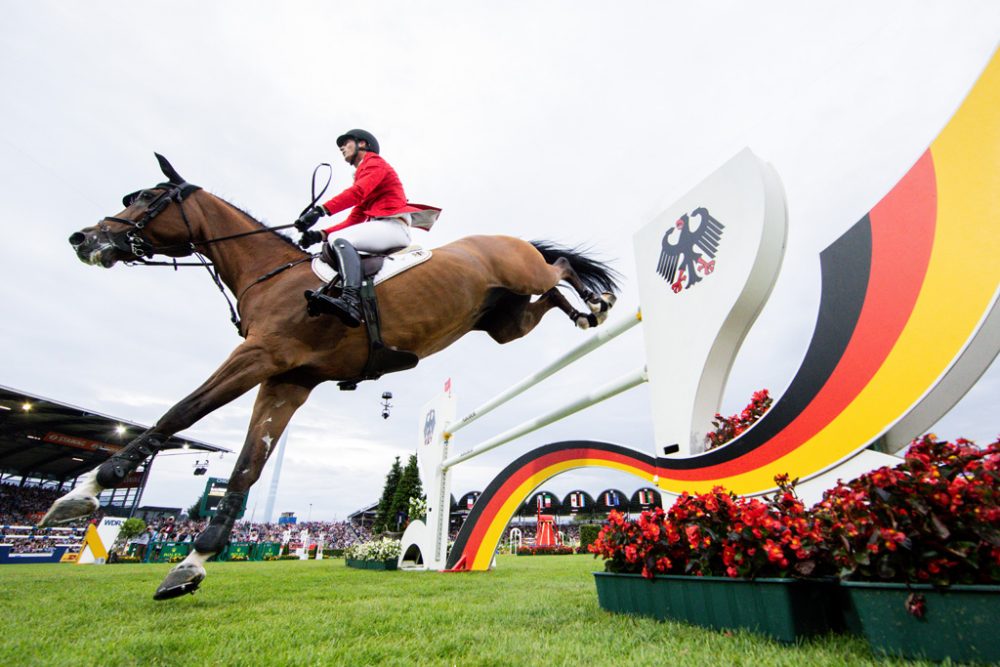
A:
380,221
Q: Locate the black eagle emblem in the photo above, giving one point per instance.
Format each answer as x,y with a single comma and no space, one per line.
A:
682,254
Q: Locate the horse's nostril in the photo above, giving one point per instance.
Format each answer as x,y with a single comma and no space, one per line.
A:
77,238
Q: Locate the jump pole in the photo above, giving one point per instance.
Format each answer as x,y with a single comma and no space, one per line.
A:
602,337
432,537
613,388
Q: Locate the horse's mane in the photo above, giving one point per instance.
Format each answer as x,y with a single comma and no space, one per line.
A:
258,223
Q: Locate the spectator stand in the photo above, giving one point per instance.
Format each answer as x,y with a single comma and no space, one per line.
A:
45,445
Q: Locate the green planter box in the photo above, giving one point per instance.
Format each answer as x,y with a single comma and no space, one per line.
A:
960,622
372,564
785,609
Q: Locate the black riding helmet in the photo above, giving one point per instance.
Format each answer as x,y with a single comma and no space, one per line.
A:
359,135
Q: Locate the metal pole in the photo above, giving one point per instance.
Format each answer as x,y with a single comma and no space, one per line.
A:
595,341
603,393
142,485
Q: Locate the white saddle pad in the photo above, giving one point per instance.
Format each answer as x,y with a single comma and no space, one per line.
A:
393,265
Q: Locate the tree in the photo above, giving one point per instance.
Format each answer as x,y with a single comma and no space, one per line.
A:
194,512
382,522
132,527
409,487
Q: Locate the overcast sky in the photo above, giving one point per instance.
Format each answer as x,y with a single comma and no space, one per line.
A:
574,121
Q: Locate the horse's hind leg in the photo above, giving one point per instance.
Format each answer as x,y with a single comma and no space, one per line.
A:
277,401
599,304
517,317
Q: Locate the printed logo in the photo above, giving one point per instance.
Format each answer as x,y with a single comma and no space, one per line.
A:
687,251
429,423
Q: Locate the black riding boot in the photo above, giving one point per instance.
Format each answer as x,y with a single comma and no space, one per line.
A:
347,307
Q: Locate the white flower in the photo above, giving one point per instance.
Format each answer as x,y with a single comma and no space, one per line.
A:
383,549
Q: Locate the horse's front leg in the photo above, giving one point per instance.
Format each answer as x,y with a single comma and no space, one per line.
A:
276,402
245,368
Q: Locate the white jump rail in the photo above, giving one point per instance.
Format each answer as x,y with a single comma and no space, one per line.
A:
613,388
602,337
432,537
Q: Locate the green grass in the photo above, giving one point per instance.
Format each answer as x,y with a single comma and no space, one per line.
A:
530,610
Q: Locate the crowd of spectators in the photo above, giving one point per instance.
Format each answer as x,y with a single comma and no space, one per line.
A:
22,507
333,534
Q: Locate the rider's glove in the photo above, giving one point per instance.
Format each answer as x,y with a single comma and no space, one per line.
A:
310,237
309,218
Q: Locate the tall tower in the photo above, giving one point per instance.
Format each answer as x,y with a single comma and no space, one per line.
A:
275,478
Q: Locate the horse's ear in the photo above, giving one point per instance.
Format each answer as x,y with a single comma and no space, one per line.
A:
168,170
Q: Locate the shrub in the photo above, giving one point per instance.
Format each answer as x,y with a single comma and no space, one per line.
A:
727,428
935,518
131,528
717,534
588,534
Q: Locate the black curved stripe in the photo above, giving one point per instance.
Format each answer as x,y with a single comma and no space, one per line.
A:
518,464
846,268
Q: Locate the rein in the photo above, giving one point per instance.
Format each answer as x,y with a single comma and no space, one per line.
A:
133,241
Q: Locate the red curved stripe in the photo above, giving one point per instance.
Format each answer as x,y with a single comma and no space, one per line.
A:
902,227
497,500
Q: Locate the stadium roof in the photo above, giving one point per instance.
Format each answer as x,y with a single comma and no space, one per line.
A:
45,438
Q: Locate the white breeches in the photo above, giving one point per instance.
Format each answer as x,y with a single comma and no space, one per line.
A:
376,235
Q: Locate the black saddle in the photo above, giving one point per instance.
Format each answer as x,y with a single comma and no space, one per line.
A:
382,358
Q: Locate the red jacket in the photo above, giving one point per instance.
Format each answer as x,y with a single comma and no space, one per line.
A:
377,193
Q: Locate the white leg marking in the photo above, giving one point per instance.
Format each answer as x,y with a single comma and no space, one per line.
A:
88,486
197,558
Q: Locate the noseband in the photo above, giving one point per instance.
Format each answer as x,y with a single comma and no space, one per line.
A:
132,240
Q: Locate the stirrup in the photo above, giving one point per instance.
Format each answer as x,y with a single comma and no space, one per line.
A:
322,304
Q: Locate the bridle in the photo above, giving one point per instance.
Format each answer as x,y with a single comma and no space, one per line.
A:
133,241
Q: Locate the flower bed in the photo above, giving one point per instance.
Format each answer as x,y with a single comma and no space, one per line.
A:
727,428
560,550
382,554
704,542
717,534
932,520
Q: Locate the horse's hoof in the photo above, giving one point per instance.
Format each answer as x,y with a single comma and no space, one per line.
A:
68,508
181,580
586,321
603,303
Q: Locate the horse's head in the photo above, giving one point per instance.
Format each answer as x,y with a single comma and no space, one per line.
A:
152,222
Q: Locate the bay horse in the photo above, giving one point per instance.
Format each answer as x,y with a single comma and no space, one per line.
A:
483,283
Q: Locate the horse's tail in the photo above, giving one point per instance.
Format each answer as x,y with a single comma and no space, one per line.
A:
597,276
